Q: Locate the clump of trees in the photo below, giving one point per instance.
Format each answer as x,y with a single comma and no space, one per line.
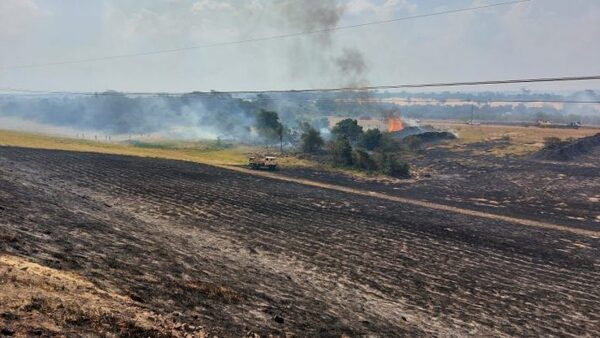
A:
371,150
349,147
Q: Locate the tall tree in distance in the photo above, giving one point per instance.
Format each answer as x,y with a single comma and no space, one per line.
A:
311,140
269,127
348,129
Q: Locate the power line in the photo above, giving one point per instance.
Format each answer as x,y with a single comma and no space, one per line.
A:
339,89
425,85
265,38
334,89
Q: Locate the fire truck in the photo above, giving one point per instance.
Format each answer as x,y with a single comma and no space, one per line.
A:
260,162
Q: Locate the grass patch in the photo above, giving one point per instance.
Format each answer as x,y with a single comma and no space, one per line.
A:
211,152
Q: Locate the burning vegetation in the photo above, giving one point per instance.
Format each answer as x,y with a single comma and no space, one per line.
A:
394,124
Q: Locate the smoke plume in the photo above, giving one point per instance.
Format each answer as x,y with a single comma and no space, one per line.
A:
319,55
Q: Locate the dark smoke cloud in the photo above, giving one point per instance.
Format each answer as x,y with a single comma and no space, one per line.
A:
316,55
352,66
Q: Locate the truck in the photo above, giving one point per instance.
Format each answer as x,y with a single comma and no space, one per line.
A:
259,162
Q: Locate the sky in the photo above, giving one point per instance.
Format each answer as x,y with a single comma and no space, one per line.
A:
539,38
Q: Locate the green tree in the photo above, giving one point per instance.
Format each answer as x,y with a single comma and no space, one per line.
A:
269,127
311,140
341,152
370,139
348,129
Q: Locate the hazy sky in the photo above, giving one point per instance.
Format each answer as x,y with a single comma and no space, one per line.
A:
541,38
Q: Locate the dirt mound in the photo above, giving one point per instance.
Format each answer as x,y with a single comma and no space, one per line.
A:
40,301
569,150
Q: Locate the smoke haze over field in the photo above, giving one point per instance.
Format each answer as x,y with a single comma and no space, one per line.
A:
462,46
186,116
212,115
500,42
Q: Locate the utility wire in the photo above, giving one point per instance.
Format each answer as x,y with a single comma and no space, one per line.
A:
324,90
215,94
265,38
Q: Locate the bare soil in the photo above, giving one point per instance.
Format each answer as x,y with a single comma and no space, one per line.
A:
239,254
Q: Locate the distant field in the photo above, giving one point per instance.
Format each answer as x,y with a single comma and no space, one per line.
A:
521,140
203,152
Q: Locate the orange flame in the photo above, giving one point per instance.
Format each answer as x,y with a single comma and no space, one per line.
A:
394,124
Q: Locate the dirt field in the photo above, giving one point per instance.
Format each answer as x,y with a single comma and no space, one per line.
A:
238,254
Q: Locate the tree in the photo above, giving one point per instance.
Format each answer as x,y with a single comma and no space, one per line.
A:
370,139
341,151
269,127
362,160
348,129
311,140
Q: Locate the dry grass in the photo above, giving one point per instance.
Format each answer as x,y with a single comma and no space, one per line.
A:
37,300
202,152
518,140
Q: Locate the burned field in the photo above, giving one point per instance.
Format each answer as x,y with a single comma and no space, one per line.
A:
470,176
238,254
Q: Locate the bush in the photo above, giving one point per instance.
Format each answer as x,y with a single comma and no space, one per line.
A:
392,166
311,140
341,152
387,143
370,139
362,160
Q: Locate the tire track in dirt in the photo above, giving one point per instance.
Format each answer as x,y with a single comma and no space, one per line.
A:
420,203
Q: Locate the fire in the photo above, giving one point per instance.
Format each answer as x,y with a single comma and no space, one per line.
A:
394,124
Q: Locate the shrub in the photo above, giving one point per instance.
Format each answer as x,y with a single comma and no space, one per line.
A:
341,152
362,160
387,143
392,166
